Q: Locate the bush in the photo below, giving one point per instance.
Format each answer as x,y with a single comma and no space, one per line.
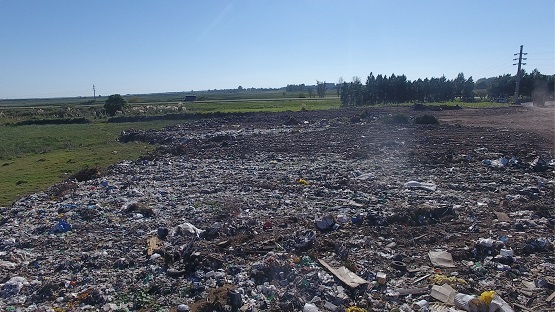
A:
65,121
419,106
87,174
426,120
397,119
115,103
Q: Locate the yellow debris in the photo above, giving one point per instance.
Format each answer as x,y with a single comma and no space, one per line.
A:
355,309
487,296
440,279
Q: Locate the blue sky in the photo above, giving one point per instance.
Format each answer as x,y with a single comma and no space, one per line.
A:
54,48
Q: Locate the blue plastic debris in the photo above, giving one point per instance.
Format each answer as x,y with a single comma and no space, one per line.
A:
62,227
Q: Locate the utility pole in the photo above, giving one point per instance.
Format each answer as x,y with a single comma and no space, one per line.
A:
518,72
94,93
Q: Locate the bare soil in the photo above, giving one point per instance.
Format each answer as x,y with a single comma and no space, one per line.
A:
540,120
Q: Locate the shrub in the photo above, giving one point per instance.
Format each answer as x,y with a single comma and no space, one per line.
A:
114,103
426,120
87,174
397,119
419,106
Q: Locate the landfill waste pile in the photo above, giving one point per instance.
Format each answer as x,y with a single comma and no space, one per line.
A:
308,211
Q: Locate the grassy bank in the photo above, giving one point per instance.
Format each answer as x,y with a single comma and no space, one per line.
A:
33,157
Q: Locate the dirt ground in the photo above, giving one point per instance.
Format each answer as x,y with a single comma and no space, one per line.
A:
540,120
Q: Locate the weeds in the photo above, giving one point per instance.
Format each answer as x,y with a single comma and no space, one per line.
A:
140,299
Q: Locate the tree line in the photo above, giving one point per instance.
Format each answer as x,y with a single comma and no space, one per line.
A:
320,88
531,85
382,89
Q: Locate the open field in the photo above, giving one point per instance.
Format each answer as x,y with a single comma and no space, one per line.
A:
166,98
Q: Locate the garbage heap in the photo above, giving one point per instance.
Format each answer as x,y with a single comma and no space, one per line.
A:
307,212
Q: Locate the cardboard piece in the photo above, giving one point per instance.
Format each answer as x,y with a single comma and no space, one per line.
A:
381,278
441,259
501,216
345,275
153,243
444,293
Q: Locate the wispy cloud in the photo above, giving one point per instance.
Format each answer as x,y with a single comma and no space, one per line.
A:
216,21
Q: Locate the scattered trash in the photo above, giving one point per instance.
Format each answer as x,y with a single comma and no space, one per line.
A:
487,301
162,232
355,309
217,219
421,185
153,244
140,209
421,305
325,223
381,278
309,307
61,227
468,303
501,162
12,287
441,279
503,217
441,259
444,293
187,227
539,164
345,275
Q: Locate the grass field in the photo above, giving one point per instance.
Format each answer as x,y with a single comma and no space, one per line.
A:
35,157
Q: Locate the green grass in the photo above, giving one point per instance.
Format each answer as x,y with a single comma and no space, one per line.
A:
33,158
166,97
263,106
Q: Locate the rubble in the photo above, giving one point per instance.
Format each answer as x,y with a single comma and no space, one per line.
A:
265,214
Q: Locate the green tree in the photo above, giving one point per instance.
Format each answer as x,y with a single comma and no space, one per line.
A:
467,91
321,88
338,85
458,85
370,90
114,103
310,91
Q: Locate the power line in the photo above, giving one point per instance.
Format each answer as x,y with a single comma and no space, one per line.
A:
520,58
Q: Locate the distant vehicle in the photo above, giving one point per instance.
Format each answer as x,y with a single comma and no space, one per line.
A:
500,100
190,98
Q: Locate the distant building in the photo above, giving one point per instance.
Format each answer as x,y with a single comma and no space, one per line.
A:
190,98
